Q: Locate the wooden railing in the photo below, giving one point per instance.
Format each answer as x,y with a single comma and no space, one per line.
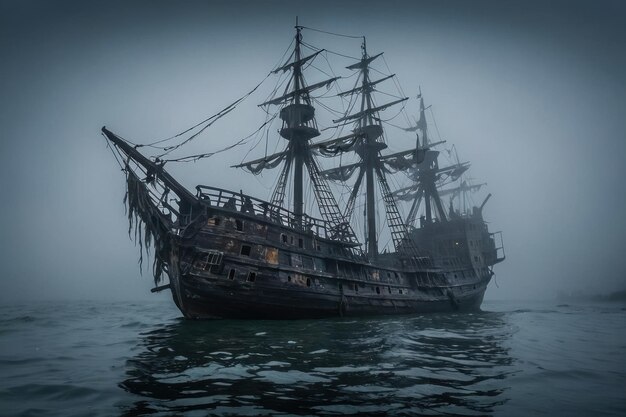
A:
239,202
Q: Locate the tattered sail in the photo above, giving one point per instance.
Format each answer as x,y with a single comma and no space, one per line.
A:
453,172
257,165
343,173
333,147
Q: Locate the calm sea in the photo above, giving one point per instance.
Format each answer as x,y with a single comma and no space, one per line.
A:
130,359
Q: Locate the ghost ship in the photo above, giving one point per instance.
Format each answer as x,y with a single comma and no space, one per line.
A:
227,254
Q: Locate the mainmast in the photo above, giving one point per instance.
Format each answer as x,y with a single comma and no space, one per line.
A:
298,125
369,153
367,141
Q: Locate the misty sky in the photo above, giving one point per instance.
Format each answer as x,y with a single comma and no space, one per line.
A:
532,93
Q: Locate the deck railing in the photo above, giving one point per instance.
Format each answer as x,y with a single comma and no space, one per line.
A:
239,202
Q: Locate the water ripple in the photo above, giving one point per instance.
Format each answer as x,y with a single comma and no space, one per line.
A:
445,364
102,359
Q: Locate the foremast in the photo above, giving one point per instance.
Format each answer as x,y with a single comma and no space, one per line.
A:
370,149
298,125
298,128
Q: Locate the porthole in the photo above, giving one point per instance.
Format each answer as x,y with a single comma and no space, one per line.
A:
377,290
251,276
308,282
245,250
231,274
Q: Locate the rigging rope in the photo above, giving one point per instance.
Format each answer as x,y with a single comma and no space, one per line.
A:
108,143
212,120
391,124
193,158
332,33
315,48
391,118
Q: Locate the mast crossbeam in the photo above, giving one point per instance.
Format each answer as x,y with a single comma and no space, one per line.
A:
369,111
297,63
365,86
304,90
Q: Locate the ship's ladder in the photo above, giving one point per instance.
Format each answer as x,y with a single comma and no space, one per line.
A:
399,231
329,209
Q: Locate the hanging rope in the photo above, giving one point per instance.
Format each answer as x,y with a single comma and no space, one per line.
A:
193,158
332,33
210,120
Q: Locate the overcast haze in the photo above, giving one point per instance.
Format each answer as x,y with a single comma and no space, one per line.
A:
532,93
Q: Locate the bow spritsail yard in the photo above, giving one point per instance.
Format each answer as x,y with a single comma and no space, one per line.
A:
304,253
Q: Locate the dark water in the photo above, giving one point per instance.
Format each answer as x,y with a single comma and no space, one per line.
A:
108,359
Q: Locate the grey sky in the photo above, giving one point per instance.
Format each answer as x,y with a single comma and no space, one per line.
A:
532,93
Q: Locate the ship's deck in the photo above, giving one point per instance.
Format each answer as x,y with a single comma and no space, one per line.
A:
239,202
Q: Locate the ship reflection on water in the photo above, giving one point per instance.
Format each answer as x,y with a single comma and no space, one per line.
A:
441,364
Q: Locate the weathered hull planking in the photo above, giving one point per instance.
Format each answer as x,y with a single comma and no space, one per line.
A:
232,264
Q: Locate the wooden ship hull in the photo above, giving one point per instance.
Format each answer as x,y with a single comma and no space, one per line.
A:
239,265
228,255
